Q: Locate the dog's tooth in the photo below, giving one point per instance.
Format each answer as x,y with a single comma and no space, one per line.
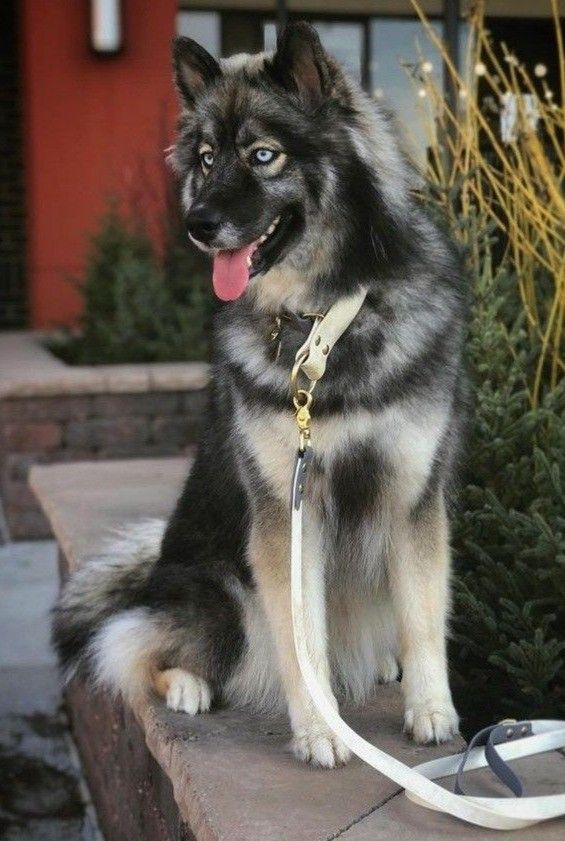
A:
263,237
249,262
272,227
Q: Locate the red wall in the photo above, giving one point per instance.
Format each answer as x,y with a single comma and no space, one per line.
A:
93,126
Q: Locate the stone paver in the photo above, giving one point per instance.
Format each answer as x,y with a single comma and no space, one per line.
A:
401,820
231,777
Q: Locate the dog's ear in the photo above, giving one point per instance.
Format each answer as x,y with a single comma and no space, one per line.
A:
301,65
194,68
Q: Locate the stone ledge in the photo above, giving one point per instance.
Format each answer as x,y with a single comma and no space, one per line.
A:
27,369
230,775
51,412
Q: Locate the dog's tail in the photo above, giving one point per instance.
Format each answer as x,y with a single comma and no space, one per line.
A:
104,599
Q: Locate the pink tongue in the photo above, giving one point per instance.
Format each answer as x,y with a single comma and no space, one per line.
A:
231,272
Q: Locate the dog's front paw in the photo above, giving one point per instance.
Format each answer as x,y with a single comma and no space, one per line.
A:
320,747
432,722
185,692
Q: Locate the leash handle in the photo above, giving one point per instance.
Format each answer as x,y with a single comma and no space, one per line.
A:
490,812
489,737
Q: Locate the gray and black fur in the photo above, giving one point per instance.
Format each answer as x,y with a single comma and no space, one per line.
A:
201,609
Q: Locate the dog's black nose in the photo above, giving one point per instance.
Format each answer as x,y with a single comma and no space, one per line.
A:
203,223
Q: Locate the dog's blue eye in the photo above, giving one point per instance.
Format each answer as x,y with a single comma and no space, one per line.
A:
207,159
264,156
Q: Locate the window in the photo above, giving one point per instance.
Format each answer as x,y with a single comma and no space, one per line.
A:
396,42
204,27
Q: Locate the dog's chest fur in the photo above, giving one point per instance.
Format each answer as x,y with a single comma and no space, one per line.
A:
371,457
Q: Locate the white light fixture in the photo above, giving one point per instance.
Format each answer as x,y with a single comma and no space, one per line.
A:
106,26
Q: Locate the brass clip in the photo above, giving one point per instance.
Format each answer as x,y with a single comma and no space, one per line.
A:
302,397
302,402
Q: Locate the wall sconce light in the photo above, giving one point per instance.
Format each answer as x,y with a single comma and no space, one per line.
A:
106,26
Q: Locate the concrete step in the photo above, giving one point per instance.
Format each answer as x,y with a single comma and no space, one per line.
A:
42,791
225,776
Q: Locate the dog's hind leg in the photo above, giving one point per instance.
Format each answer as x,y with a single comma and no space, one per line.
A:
183,691
139,651
269,549
183,642
128,650
419,564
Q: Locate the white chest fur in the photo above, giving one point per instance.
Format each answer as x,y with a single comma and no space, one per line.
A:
406,443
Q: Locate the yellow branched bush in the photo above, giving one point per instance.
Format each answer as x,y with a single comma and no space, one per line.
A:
502,190
516,183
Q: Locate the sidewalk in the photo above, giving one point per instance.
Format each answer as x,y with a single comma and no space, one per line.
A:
42,797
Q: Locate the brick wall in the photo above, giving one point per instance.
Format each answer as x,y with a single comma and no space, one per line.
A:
134,797
43,430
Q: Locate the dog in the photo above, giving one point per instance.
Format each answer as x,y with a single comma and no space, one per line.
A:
298,186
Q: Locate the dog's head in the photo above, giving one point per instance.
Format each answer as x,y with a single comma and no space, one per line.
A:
276,157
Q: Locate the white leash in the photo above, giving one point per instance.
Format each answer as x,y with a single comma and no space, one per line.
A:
492,812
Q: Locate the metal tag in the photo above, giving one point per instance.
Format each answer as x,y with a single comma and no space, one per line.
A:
303,460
